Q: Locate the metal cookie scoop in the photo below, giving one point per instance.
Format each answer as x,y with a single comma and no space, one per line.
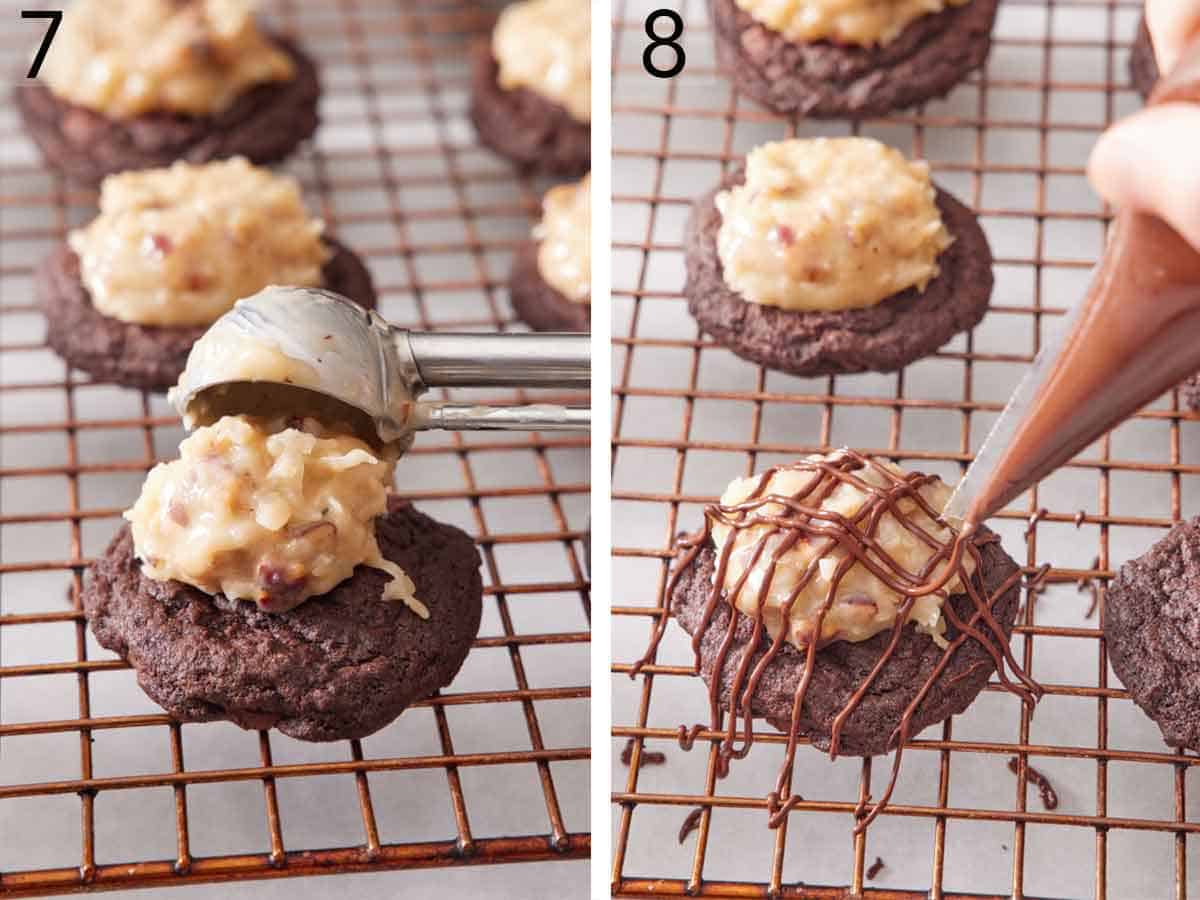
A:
287,349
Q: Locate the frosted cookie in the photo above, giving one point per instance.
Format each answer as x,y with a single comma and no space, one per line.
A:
171,250
267,577
828,597
550,284
143,83
531,86
853,535
851,58
834,255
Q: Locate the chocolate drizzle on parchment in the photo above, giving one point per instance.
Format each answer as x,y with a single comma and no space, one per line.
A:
803,519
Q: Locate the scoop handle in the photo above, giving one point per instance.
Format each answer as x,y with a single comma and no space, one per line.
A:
470,417
545,360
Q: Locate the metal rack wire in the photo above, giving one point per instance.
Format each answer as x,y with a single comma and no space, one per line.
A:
688,416
396,173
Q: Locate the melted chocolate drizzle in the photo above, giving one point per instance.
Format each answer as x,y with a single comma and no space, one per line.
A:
802,518
690,823
1091,584
649,757
1038,780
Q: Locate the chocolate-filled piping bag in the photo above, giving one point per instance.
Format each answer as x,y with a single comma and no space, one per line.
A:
1135,334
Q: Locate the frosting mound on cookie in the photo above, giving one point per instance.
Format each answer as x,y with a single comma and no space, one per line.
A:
774,521
565,240
139,56
269,510
545,46
864,23
829,224
178,246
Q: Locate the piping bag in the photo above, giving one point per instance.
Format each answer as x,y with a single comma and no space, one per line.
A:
1135,334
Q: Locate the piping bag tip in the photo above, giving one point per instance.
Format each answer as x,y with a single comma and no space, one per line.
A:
973,496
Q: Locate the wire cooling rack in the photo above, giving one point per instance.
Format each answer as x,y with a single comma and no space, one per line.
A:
689,416
98,788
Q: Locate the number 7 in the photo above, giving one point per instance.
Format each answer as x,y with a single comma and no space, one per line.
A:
55,17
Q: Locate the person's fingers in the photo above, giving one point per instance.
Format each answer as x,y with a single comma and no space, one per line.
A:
1148,162
1172,23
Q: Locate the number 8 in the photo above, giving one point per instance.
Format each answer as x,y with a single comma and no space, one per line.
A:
668,41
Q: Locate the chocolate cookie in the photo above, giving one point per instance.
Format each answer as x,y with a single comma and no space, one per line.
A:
150,357
539,304
264,124
827,80
879,338
841,666
1143,67
537,134
1152,622
341,665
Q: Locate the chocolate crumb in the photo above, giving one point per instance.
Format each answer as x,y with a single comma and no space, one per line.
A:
691,823
649,757
1079,517
1038,780
1034,519
876,867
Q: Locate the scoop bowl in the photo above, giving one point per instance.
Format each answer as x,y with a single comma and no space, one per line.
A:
288,348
